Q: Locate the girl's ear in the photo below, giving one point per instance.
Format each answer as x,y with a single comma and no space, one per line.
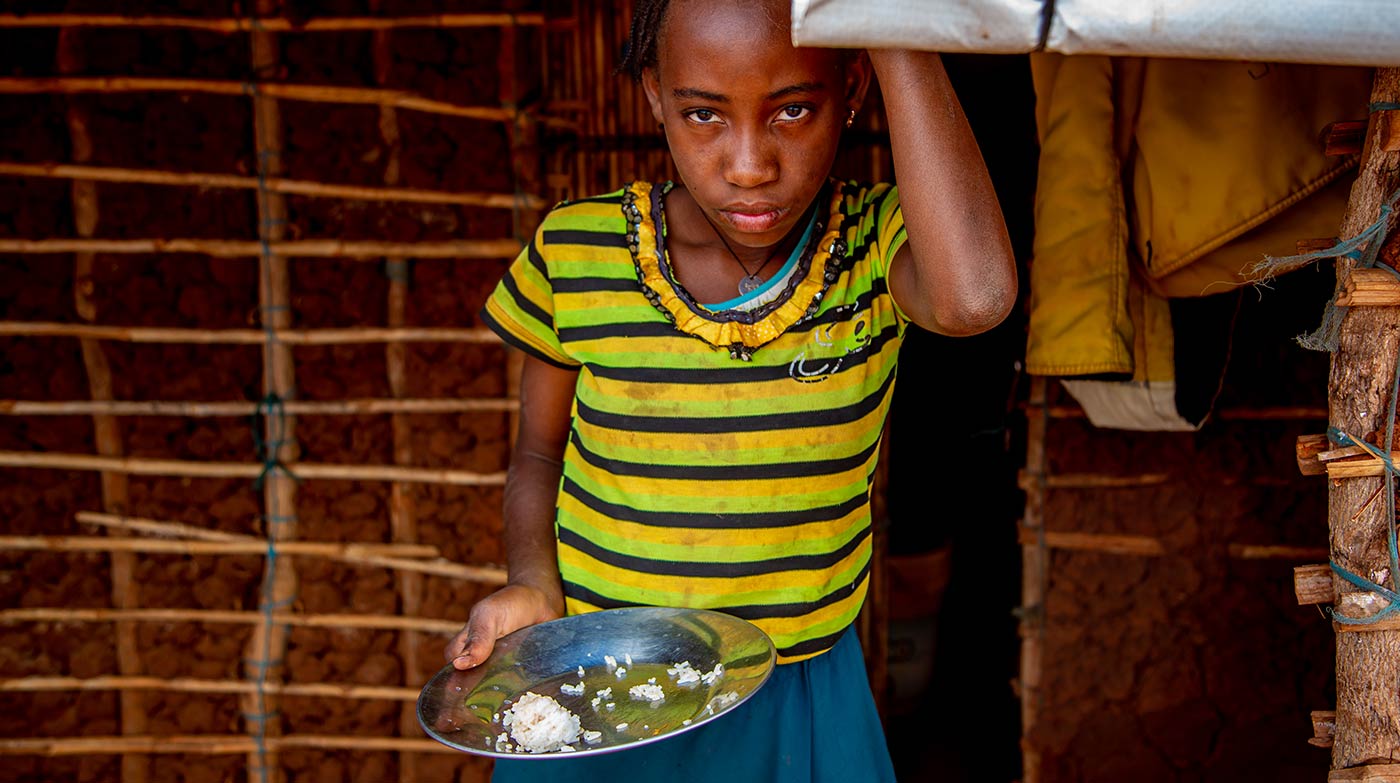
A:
651,85
858,72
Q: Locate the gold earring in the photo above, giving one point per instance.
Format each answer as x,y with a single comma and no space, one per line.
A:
851,118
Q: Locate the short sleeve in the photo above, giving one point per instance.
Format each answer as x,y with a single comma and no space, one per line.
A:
882,209
889,227
521,309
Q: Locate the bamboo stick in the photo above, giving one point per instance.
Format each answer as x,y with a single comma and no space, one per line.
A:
1370,288
300,248
403,521
248,408
272,24
176,335
330,549
298,187
262,657
1092,480
1144,546
370,621
1035,561
1276,552
107,436
1266,413
312,93
143,466
1363,366
349,691
208,744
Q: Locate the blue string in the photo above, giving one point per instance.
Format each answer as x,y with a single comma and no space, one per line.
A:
1384,106
1364,249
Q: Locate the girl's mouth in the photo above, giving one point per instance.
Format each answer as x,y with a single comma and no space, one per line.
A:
753,220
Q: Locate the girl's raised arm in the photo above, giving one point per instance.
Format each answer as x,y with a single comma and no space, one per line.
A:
533,593
956,275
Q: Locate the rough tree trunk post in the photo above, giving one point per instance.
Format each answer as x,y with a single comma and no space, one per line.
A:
268,645
1368,662
107,434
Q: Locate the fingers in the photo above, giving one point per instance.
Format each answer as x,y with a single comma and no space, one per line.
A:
475,642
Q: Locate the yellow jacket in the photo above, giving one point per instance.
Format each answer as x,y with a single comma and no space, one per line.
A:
1168,178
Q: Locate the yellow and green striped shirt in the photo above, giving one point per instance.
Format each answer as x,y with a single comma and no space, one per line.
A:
718,460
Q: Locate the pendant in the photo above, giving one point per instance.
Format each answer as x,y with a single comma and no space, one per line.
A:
749,283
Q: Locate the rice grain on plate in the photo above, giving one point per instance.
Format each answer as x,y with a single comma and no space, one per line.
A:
539,724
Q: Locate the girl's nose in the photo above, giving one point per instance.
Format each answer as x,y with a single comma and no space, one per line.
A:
752,160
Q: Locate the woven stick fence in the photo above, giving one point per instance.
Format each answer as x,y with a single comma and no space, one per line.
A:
263,683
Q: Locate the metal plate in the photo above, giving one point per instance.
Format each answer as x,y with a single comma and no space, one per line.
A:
463,709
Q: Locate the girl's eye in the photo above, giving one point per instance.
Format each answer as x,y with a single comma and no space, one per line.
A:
701,116
794,112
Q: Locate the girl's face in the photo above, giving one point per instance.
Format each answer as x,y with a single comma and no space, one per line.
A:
752,122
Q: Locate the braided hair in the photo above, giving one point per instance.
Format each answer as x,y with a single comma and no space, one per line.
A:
639,52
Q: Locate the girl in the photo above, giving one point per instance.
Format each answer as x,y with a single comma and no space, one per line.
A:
709,367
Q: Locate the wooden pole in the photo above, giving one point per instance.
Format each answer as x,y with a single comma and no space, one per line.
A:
209,744
270,24
311,93
156,334
403,512
191,409
348,691
250,470
1359,395
180,530
107,436
372,621
437,567
83,173
1035,562
268,644
349,250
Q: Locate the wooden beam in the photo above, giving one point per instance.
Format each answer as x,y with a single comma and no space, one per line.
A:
198,179
158,334
1035,577
209,745
1306,449
225,617
107,434
341,249
272,24
312,93
359,407
250,470
1363,367
1314,584
1370,288
1370,773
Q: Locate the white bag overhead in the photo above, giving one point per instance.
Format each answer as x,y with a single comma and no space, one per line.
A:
1338,32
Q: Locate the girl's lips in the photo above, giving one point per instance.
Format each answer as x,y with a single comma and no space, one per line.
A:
755,222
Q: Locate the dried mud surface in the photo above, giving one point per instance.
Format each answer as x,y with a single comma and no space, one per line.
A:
1193,666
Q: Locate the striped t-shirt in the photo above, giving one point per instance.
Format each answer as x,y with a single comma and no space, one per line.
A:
718,460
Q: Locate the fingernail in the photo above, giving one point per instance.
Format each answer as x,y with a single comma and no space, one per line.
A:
462,662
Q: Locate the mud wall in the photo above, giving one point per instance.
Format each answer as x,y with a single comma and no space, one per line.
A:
1196,665
323,142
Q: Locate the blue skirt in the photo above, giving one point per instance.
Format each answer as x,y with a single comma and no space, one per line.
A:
813,722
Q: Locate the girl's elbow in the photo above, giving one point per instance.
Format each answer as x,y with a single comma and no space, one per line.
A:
974,315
